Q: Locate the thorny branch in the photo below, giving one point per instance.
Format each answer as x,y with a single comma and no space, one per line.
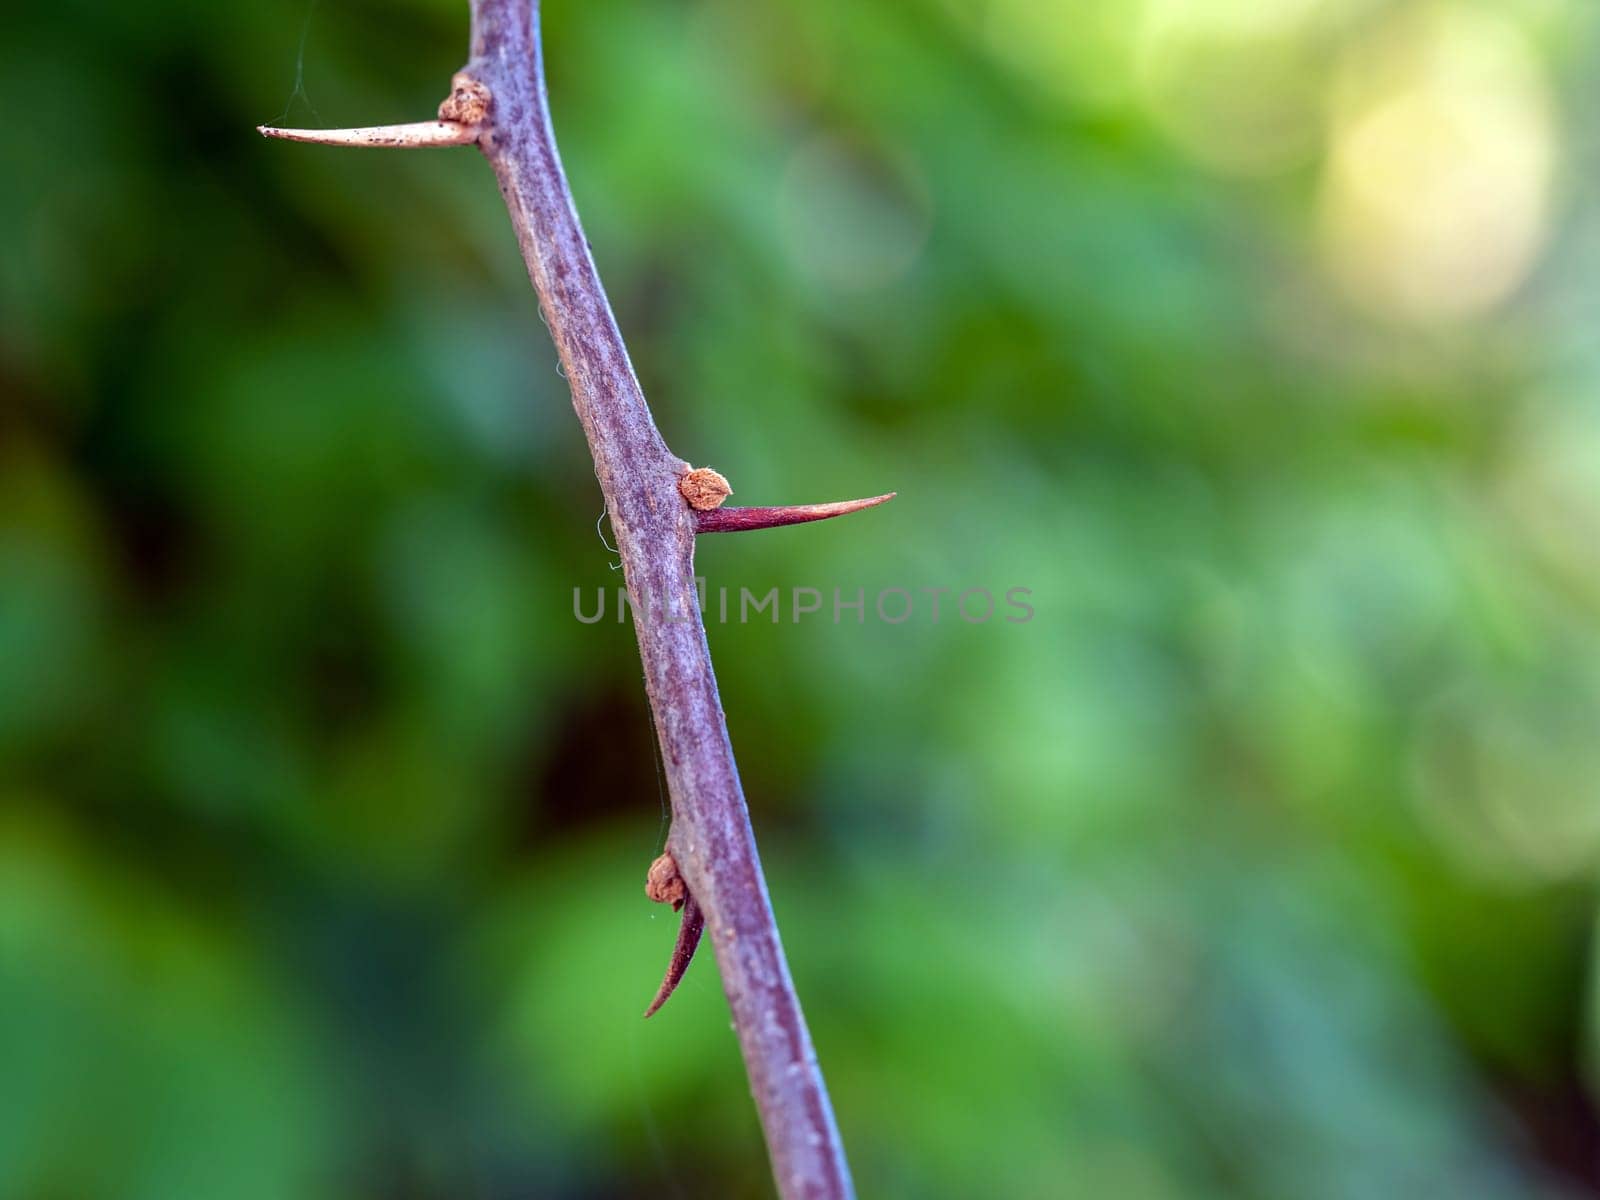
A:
657,504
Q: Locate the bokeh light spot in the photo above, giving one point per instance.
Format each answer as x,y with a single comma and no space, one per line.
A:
851,220
1434,204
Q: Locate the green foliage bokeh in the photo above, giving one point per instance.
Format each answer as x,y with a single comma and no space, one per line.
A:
1256,340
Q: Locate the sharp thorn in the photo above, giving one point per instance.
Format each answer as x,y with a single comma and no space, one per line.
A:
736,520
418,135
694,924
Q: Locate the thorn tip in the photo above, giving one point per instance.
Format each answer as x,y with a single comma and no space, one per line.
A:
689,932
417,135
737,520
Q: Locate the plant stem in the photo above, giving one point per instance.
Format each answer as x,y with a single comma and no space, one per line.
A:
711,837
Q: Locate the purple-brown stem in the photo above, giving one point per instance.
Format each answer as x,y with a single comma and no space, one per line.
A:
498,101
711,837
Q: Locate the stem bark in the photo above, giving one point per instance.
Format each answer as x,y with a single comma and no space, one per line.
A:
711,836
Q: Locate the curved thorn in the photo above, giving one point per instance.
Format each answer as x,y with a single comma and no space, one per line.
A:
418,135
736,520
694,923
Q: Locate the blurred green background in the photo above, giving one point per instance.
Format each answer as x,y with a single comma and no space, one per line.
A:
1257,339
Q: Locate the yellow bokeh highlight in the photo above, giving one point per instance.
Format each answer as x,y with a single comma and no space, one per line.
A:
1435,198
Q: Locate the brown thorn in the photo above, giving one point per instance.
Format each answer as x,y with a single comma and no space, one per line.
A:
418,135
737,520
664,885
694,924
460,116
